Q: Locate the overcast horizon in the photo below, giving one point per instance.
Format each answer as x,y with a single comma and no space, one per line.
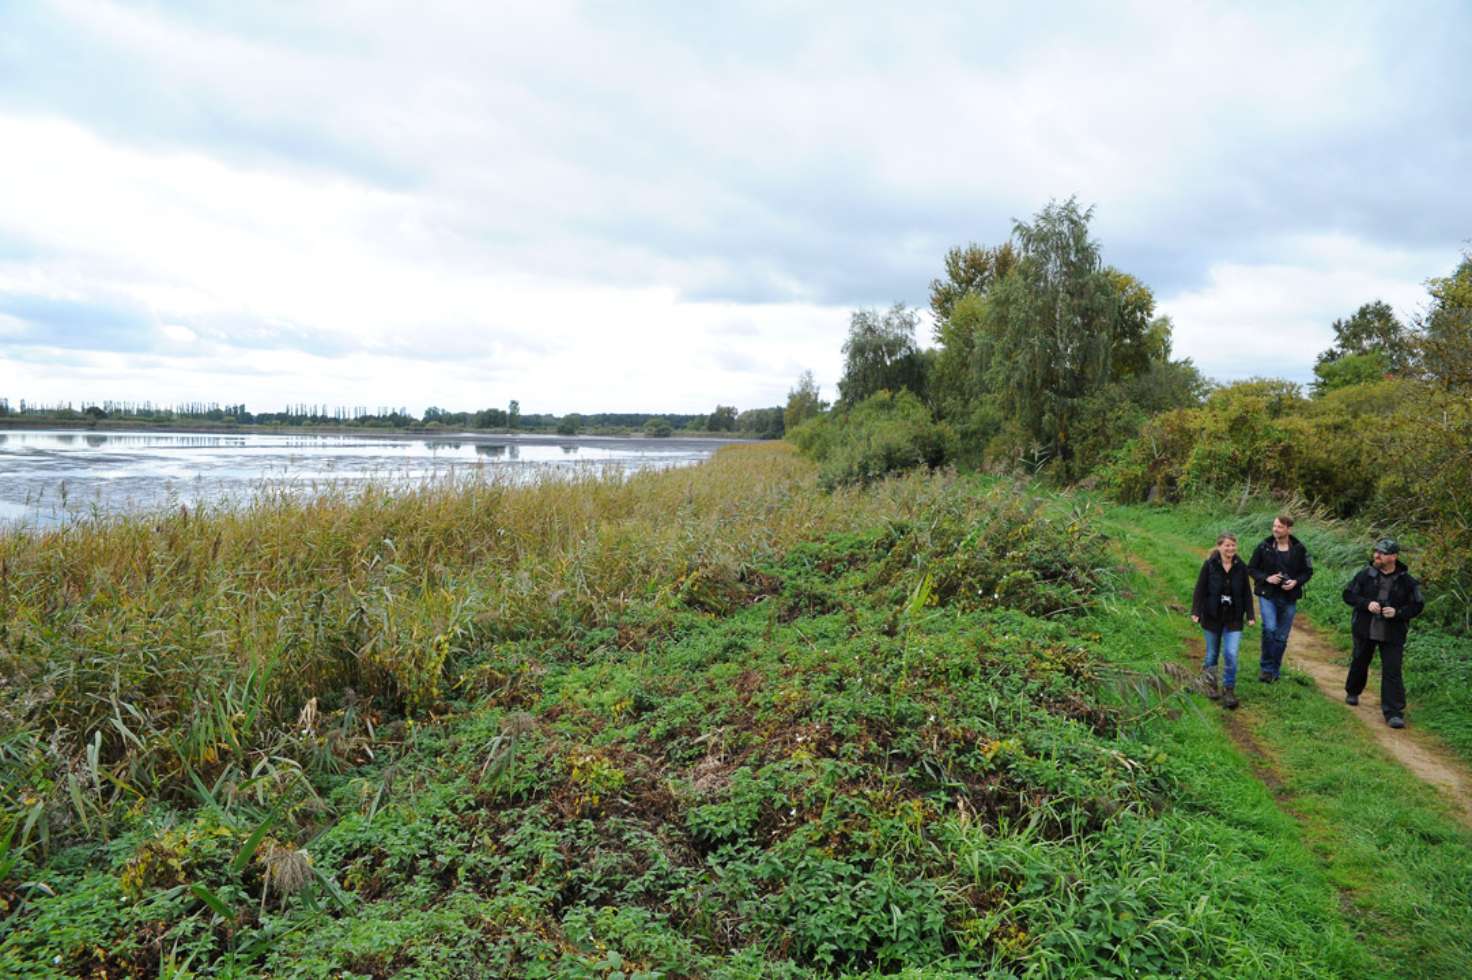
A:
661,208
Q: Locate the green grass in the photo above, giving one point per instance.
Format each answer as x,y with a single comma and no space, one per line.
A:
710,723
1399,858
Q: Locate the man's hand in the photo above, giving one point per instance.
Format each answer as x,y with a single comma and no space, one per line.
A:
1374,608
1275,578
1195,619
1289,585
1388,612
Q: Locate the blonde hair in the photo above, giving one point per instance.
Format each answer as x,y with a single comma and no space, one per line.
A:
1224,536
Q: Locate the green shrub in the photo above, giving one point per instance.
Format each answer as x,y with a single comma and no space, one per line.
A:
885,433
1396,451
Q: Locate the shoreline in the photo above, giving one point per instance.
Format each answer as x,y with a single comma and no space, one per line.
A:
474,436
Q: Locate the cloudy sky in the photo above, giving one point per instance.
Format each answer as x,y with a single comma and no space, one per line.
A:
658,206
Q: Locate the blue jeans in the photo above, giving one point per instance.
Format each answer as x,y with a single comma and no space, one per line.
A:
1277,620
1225,642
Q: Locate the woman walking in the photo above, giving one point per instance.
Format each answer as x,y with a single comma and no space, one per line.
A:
1222,604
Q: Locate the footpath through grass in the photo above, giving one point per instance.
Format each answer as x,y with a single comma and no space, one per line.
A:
1395,851
710,723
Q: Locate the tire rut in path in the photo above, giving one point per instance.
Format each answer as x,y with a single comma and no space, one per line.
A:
1417,751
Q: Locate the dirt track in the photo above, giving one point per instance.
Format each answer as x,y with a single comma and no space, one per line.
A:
1417,751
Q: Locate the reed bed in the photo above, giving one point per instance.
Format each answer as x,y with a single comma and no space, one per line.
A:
141,656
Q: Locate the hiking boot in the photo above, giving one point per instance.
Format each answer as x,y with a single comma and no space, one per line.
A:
1229,696
1395,721
1208,684
1263,676
1351,699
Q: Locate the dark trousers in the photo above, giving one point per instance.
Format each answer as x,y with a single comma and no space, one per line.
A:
1392,687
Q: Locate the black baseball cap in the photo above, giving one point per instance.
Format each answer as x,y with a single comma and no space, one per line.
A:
1387,546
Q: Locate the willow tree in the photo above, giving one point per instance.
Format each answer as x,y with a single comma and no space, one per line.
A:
881,354
1055,324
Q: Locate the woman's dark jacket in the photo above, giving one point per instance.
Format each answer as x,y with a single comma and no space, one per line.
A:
1294,563
1405,599
1215,583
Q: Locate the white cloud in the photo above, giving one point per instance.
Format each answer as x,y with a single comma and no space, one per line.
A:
1274,319
297,250
584,206
176,333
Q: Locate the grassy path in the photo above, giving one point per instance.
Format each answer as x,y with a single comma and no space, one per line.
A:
1384,814
1421,753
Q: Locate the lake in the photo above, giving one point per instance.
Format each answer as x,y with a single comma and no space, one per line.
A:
49,476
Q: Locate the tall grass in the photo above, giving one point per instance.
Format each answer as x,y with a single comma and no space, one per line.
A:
142,655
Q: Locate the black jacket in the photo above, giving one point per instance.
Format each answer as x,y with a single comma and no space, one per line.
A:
1215,583
1405,599
1295,564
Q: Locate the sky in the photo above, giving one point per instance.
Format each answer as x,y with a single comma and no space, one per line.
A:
666,206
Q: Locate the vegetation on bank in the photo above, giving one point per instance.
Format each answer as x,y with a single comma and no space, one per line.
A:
707,722
885,433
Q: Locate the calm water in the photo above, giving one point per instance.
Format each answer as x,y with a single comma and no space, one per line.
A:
50,476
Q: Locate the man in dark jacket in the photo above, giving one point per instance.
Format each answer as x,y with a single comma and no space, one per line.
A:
1279,568
1385,598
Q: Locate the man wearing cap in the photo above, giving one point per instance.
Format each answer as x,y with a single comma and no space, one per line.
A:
1385,598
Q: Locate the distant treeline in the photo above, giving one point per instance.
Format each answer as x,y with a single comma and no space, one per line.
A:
762,423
